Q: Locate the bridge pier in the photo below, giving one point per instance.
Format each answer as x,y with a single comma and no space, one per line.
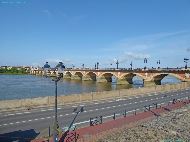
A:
101,79
148,83
76,77
66,77
88,78
124,81
152,83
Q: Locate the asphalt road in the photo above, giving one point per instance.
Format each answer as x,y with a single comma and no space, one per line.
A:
37,121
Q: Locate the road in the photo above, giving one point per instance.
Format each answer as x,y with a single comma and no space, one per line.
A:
38,120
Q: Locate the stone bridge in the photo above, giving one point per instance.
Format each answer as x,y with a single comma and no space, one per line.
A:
149,77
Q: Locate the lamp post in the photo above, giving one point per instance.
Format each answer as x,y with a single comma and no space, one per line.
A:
145,62
158,63
186,61
73,66
56,125
97,65
61,68
46,69
117,63
131,64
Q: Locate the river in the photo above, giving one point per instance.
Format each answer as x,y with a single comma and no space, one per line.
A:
29,86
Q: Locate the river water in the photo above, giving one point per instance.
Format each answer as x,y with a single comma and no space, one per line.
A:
28,86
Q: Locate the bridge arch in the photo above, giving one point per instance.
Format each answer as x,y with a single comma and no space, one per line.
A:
68,74
106,77
127,78
90,76
78,75
108,73
176,76
160,76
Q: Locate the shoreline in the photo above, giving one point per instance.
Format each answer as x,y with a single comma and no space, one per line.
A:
87,97
14,74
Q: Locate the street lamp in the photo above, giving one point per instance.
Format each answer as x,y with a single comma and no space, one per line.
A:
117,63
56,79
60,67
56,125
186,61
46,68
97,65
111,65
158,62
145,62
73,66
131,64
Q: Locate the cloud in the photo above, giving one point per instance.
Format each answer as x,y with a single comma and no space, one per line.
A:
13,2
55,61
146,43
78,18
129,56
188,49
136,56
47,12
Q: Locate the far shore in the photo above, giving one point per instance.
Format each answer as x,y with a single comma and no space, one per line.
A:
14,74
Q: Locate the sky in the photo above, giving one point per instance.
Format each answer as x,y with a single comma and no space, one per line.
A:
80,32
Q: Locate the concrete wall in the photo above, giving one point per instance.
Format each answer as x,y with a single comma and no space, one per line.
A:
116,94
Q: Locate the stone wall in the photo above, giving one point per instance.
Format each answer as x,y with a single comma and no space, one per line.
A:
76,98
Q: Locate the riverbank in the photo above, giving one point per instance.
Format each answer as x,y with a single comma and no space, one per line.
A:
87,97
8,73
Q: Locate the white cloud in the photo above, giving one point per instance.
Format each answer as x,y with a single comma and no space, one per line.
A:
188,49
136,56
47,12
77,18
149,42
130,56
55,61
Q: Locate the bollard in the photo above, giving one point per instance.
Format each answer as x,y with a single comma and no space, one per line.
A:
155,105
145,108
114,116
135,112
174,100
91,122
100,119
125,113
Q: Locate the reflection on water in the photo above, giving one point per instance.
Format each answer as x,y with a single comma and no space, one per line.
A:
28,86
